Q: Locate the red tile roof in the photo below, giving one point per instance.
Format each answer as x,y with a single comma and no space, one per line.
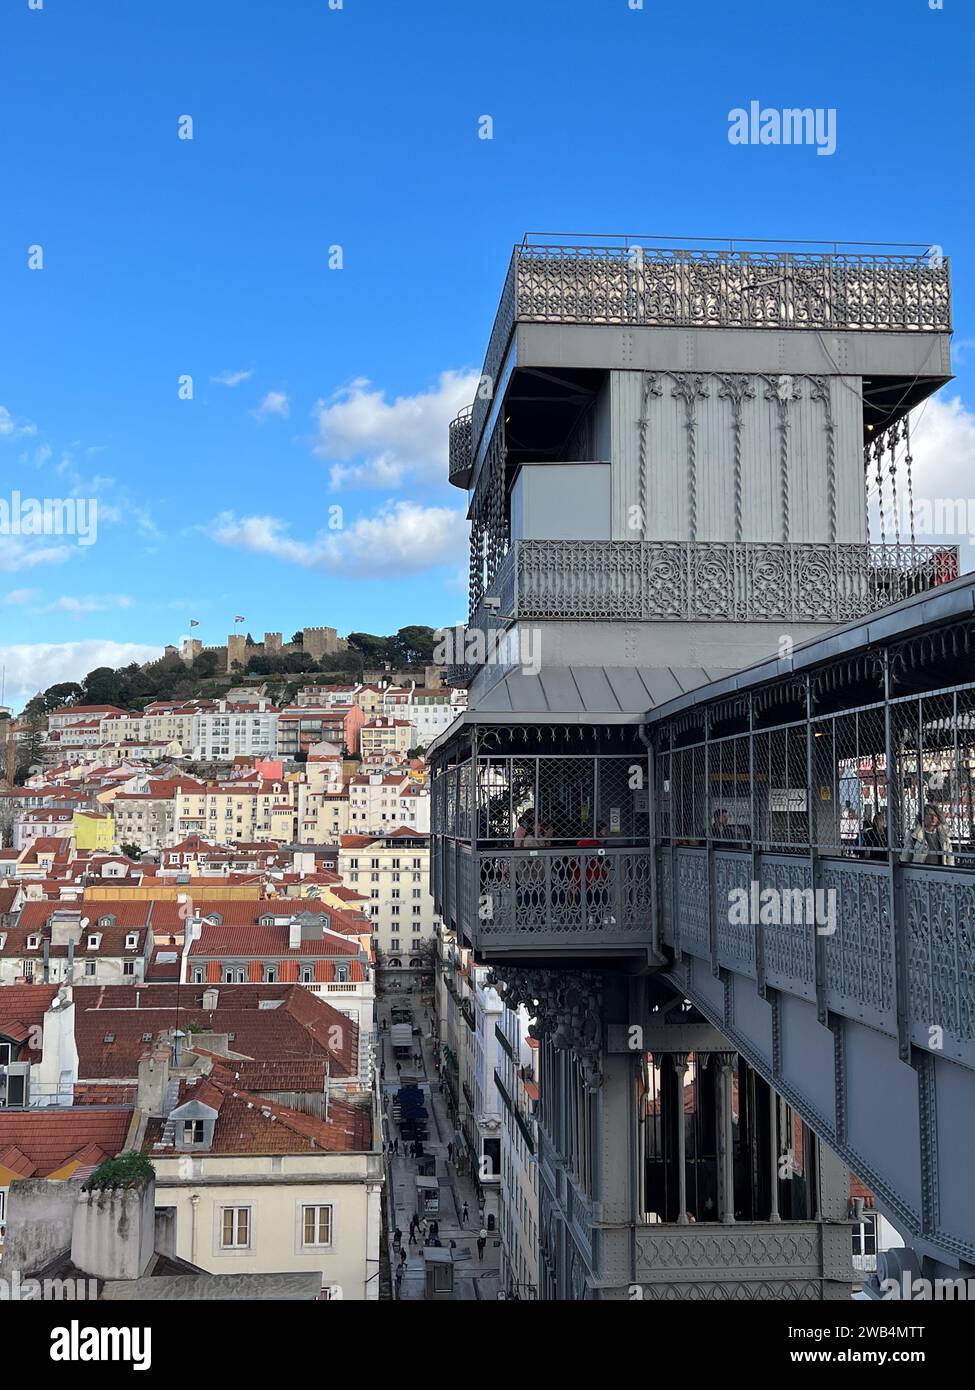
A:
300,1025
251,1124
50,1138
252,942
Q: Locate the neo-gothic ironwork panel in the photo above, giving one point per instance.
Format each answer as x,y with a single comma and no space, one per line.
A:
789,937
577,898
940,916
859,953
692,902
735,936
713,581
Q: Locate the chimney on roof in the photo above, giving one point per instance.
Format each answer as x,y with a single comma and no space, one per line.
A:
57,1071
210,999
294,934
154,1079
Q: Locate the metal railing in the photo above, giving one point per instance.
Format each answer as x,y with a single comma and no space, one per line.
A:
895,290
569,900
460,450
710,581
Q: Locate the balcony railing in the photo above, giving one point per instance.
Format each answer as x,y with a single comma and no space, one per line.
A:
571,901
712,581
897,291
460,454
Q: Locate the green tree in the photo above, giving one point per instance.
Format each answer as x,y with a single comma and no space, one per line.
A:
413,646
375,649
64,693
103,686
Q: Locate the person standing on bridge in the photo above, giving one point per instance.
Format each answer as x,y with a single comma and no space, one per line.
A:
928,842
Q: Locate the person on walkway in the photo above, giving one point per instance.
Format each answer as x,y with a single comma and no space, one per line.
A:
396,1147
399,1068
928,842
481,1242
402,1259
399,1278
464,1215
412,1239
434,1228
450,1153
397,1239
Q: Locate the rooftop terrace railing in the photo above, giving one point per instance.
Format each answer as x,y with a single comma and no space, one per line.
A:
711,581
837,286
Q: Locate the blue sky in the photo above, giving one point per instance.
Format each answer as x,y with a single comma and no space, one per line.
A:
315,388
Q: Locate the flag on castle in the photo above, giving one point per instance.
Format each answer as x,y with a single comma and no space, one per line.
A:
240,619
194,622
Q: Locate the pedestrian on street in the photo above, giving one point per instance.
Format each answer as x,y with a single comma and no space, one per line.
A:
450,1153
399,1068
435,1228
396,1147
481,1242
397,1239
399,1278
464,1215
412,1239
423,1226
402,1259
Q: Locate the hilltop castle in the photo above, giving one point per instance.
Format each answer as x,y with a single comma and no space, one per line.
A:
316,641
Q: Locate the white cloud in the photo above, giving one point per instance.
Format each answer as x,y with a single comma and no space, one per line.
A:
34,666
232,378
400,538
20,553
78,604
373,442
19,596
274,403
13,429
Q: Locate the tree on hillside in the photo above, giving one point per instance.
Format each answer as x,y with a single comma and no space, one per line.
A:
64,693
103,686
413,646
375,649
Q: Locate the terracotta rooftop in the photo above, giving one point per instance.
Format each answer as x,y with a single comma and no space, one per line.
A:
44,1141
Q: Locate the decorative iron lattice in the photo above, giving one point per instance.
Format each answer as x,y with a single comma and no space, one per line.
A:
602,894
460,451
714,581
490,532
661,287
542,801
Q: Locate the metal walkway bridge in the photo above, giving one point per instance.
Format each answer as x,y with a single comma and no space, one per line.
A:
815,885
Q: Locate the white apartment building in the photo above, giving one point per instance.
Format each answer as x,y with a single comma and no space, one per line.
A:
382,801
393,870
385,734
234,731
231,812
429,711
516,1082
